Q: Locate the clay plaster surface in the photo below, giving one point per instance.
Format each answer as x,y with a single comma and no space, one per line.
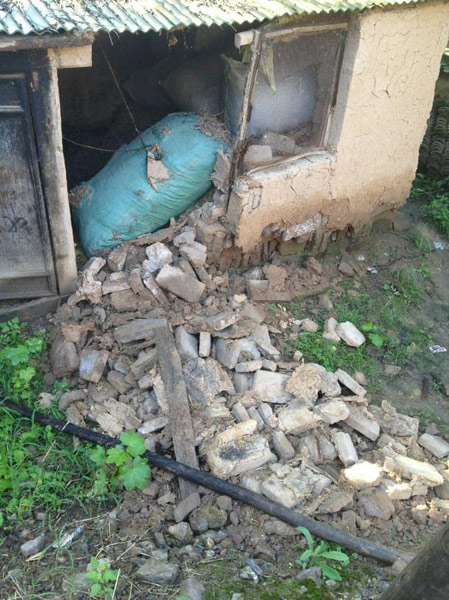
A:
386,89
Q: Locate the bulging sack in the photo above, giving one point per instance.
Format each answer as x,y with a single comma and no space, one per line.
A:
119,203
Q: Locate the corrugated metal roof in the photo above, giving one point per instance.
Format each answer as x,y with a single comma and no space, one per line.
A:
44,16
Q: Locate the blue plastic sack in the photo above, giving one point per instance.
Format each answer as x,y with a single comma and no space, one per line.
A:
119,204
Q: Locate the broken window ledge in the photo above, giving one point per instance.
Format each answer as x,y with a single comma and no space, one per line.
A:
305,158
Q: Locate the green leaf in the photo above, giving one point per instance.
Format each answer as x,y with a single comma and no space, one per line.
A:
135,444
368,326
96,590
98,456
328,572
306,533
135,476
117,456
305,556
376,339
335,555
94,563
17,355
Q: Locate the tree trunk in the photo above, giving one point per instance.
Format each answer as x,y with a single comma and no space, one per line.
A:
427,576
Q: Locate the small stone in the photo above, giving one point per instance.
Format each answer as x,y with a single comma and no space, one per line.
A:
243,382
186,343
312,573
271,387
376,503
434,444
363,474
192,589
248,366
117,257
116,282
330,330
186,506
350,383
404,466
269,365
154,425
117,380
158,256
239,412
212,516
205,378
253,414
345,448
360,378
266,413
222,320
420,513
309,325
397,567
333,411
228,352
237,450
396,490
205,344
139,329
181,532
180,284
64,357
187,236
337,501
33,546
194,252
157,571
92,364
362,421
282,446
345,268
297,418
305,383
350,334
69,397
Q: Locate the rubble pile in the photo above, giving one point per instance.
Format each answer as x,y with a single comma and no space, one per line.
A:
292,431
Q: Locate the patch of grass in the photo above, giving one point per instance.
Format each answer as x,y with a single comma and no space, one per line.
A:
325,555
39,467
421,241
436,193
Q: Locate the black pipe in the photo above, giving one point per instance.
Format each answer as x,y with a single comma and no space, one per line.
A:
364,547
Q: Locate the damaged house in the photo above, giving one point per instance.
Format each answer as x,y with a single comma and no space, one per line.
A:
310,117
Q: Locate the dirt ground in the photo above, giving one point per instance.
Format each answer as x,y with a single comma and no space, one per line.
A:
400,272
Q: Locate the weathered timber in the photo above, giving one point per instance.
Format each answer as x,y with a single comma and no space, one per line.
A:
427,576
178,404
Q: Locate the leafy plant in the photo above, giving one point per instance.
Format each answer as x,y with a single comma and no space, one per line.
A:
374,334
122,465
100,578
319,555
39,468
19,356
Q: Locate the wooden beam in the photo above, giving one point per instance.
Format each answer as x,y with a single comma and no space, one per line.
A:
178,404
27,311
427,576
71,58
13,43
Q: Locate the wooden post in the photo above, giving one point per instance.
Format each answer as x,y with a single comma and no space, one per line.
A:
427,576
178,404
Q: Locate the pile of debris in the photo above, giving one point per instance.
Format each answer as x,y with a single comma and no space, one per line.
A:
295,432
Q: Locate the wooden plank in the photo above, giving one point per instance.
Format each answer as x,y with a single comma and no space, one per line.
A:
178,404
33,42
27,311
71,58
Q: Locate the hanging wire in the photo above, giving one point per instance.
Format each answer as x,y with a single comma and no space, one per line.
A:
131,116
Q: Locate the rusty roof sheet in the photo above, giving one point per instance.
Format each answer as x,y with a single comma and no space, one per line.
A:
47,16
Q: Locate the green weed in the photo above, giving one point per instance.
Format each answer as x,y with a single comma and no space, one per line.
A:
321,554
436,193
121,465
101,578
39,468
